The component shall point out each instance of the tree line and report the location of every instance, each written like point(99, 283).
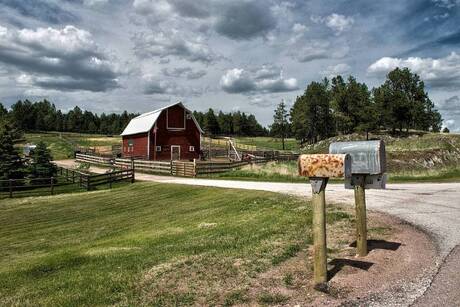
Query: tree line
point(232, 123)
point(339, 106)
point(44, 116)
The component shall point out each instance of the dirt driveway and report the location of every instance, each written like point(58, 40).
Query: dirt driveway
point(433, 207)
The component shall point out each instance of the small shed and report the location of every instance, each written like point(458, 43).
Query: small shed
point(168, 133)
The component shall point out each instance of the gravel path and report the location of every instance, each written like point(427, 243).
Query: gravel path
point(433, 207)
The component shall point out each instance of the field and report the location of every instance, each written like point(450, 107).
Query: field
point(268, 143)
point(62, 144)
point(154, 244)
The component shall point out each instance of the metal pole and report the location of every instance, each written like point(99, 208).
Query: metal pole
point(319, 232)
point(361, 221)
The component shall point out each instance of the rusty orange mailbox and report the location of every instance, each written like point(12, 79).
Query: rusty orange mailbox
point(319, 168)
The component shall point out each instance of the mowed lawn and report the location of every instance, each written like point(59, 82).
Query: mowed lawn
point(147, 244)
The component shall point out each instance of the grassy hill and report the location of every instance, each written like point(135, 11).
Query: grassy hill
point(154, 244)
point(418, 157)
point(62, 144)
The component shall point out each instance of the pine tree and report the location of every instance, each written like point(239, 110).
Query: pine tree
point(281, 127)
point(41, 165)
point(11, 164)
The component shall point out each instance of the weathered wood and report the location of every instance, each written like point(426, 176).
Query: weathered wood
point(319, 236)
point(361, 219)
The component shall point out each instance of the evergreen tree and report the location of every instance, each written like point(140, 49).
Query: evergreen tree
point(211, 125)
point(11, 164)
point(281, 127)
point(41, 165)
point(311, 114)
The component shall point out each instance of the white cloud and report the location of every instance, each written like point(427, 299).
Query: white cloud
point(173, 43)
point(239, 80)
point(336, 22)
point(440, 73)
point(334, 70)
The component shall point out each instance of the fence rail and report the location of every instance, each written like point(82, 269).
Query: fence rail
point(185, 168)
point(65, 177)
point(93, 159)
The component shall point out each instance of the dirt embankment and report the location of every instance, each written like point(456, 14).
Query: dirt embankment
point(397, 270)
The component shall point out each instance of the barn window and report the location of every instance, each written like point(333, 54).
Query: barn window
point(158, 148)
point(191, 148)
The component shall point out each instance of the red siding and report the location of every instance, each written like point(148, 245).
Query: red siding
point(190, 136)
point(139, 148)
point(184, 138)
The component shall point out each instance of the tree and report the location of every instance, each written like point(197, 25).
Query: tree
point(211, 125)
point(311, 114)
point(11, 164)
point(445, 130)
point(403, 103)
point(281, 126)
point(41, 165)
point(3, 112)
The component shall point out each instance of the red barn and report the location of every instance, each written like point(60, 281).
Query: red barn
point(169, 133)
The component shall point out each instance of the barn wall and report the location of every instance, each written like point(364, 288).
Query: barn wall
point(184, 138)
point(140, 142)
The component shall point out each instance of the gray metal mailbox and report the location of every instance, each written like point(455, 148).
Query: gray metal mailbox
point(368, 158)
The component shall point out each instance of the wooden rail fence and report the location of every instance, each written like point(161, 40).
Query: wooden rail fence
point(174, 168)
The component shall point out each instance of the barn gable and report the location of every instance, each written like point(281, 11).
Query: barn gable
point(145, 122)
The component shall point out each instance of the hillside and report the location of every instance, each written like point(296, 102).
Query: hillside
point(434, 155)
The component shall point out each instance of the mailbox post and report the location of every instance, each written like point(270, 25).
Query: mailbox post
point(367, 168)
point(319, 168)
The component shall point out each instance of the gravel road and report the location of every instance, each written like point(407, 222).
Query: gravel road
point(433, 207)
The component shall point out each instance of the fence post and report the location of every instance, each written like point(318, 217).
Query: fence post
point(171, 167)
point(110, 180)
point(52, 185)
point(361, 223)
point(88, 182)
point(132, 176)
point(194, 167)
point(11, 187)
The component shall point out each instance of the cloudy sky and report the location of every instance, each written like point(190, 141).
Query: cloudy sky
point(112, 55)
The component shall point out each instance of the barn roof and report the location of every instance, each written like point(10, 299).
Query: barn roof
point(144, 122)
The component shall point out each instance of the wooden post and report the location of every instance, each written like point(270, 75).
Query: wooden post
point(132, 176)
point(319, 232)
point(52, 185)
point(361, 221)
point(110, 180)
point(11, 187)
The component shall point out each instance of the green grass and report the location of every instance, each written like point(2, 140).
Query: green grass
point(62, 144)
point(268, 143)
point(146, 244)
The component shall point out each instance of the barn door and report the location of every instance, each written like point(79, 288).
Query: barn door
point(175, 152)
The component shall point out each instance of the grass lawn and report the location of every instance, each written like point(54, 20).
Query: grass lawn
point(150, 244)
point(268, 143)
point(62, 144)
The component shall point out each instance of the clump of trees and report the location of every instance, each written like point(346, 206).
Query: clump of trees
point(339, 106)
point(43, 116)
point(234, 123)
point(13, 166)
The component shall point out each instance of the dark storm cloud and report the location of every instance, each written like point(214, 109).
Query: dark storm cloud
point(63, 59)
point(45, 11)
point(245, 20)
point(195, 9)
